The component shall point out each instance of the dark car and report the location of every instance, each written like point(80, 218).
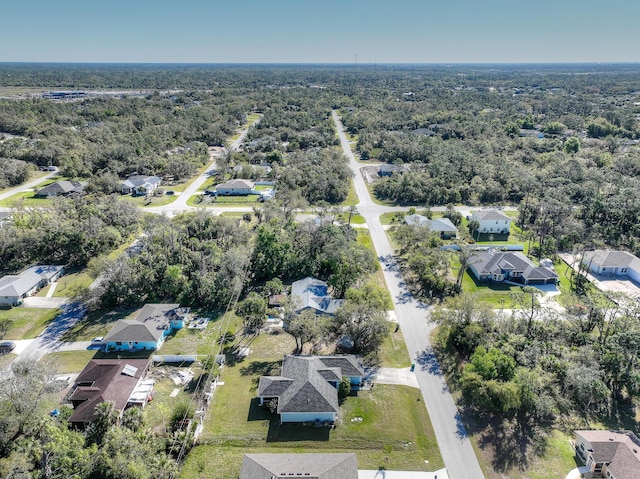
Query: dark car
point(7, 346)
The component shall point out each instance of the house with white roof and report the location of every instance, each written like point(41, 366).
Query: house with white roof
point(442, 226)
point(235, 188)
point(311, 293)
point(15, 287)
point(492, 221)
point(140, 185)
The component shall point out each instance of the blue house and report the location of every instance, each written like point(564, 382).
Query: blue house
point(147, 331)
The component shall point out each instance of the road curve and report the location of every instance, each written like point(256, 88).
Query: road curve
point(455, 447)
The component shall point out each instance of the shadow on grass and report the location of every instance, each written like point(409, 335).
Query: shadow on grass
point(259, 413)
point(489, 284)
point(95, 318)
point(623, 416)
point(293, 432)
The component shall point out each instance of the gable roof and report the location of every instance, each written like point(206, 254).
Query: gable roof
point(481, 215)
point(612, 259)
point(20, 284)
point(439, 225)
point(303, 385)
point(620, 449)
point(235, 184)
point(60, 188)
point(314, 294)
point(495, 262)
point(307, 465)
point(149, 324)
point(103, 380)
point(136, 181)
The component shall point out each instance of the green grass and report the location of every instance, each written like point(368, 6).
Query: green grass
point(393, 353)
point(391, 217)
point(495, 294)
point(143, 201)
point(29, 198)
point(352, 197)
point(27, 322)
point(35, 174)
point(364, 238)
point(224, 200)
point(72, 284)
point(96, 323)
point(70, 361)
point(392, 417)
point(158, 412)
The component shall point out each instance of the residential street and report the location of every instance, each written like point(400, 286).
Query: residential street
point(455, 447)
point(27, 185)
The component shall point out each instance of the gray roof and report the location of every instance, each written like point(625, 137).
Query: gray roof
point(135, 181)
point(149, 324)
point(612, 259)
point(313, 294)
point(495, 262)
point(490, 215)
point(60, 188)
point(235, 184)
point(307, 465)
point(20, 284)
point(303, 385)
point(439, 225)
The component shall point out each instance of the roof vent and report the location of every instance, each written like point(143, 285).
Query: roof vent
point(610, 439)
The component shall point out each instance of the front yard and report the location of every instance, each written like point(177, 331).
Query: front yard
point(27, 323)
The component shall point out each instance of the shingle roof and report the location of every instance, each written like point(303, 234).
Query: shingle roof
point(149, 324)
point(19, 284)
point(136, 181)
point(490, 215)
point(620, 449)
point(303, 385)
point(60, 188)
point(310, 466)
point(236, 184)
point(494, 262)
point(313, 293)
point(102, 380)
point(612, 259)
point(438, 225)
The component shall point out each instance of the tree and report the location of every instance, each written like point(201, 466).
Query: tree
point(363, 323)
point(304, 326)
point(252, 311)
point(344, 388)
point(105, 416)
point(572, 145)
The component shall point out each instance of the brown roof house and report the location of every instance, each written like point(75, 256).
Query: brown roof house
point(307, 390)
point(309, 466)
point(117, 380)
point(148, 330)
point(609, 454)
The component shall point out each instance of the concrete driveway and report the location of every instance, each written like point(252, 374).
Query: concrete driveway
point(44, 303)
point(398, 376)
point(384, 474)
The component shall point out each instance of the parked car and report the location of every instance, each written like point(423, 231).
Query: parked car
point(97, 340)
point(7, 346)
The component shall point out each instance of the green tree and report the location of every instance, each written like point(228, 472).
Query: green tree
point(253, 311)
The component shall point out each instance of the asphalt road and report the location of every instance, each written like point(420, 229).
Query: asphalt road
point(27, 185)
point(455, 447)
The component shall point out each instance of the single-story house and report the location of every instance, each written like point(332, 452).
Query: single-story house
point(311, 293)
point(614, 263)
point(390, 170)
point(60, 188)
point(14, 287)
point(235, 188)
point(117, 380)
point(147, 331)
point(492, 221)
point(443, 226)
point(307, 465)
point(307, 390)
point(609, 454)
point(140, 185)
point(500, 266)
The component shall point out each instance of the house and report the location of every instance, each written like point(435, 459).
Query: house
point(500, 266)
point(60, 188)
point(14, 287)
point(443, 226)
point(307, 465)
point(609, 454)
point(614, 263)
point(140, 185)
point(311, 293)
point(390, 170)
point(118, 380)
point(235, 188)
point(147, 331)
point(492, 221)
point(307, 390)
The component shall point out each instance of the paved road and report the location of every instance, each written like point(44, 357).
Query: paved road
point(455, 447)
point(26, 186)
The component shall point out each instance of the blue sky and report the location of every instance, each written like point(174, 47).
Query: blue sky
point(320, 31)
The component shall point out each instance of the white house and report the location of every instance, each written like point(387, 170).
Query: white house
point(492, 221)
point(140, 185)
point(442, 226)
point(14, 287)
point(614, 263)
point(235, 188)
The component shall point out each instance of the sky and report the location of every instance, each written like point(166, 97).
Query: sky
point(319, 31)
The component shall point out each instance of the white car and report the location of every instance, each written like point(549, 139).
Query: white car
point(97, 340)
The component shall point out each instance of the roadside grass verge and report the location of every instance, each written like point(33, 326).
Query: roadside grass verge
point(27, 323)
point(394, 353)
point(72, 284)
point(70, 361)
point(352, 198)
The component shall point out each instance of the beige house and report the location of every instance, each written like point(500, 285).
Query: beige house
point(609, 454)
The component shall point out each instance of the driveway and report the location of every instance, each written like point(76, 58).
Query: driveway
point(577, 473)
point(398, 376)
point(44, 303)
point(384, 474)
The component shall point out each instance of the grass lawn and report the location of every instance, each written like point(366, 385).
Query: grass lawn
point(96, 323)
point(29, 198)
point(142, 201)
point(70, 361)
point(71, 284)
point(352, 197)
point(364, 238)
point(496, 294)
point(393, 353)
point(33, 176)
point(394, 422)
point(27, 322)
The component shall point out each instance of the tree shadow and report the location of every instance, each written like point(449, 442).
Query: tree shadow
point(257, 412)
point(294, 432)
point(428, 361)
